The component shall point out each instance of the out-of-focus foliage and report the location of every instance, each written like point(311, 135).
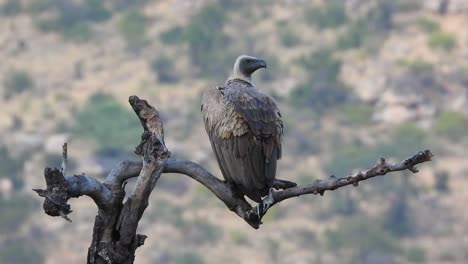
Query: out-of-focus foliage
point(163, 67)
point(442, 40)
point(11, 7)
point(16, 210)
point(416, 255)
point(132, 26)
point(323, 89)
point(332, 14)
point(174, 35)
point(73, 19)
point(16, 82)
point(206, 40)
point(96, 121)
point(19, 253)
point(188, 258)
point(362, 235)
point(288, 38)
point(428, 25)
point(10, 167)
point(356, 113)
point(452, 125)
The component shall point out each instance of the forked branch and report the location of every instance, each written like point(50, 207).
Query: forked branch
point(114, 235)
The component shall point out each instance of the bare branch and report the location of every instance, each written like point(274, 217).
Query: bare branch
point(64, 159)
point(320, 186)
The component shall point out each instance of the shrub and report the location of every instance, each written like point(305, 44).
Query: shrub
point(202, 231)
point(104, 120)
point(163, 67)
point(15, 253)
point(442, 181)
point(174, 35)
point(356, 114)
point(428, 25)
point(206, 40)
point(239, 237)
point(417, 66)
point(416, 255)
point(398, 220)
point(74, 19)
point(353, 36)
point(362, 234)
point(188, 258)
point(343, 204)
point(11, 7)
point(18, 208)
point(16, 82)
point(372, 26)
point(288, 38)
point(331, 15)
point(10, 167)
point(452, 125)
point(442, 40)
point(79, 32)
point(133, 26)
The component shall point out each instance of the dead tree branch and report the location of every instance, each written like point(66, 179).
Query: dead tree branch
point(114, 234)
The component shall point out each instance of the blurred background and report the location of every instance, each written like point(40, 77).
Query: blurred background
point(355, 80)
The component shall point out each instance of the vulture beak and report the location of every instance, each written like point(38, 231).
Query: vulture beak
point(261, 64)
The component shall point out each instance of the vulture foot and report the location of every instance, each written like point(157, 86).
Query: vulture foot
point(283, 184)
point(265, 204)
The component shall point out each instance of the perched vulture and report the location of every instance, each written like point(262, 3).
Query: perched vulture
point(245, 129)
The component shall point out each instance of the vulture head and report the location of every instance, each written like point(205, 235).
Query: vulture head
point(245, 66)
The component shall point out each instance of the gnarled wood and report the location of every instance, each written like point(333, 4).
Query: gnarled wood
point(114, 234)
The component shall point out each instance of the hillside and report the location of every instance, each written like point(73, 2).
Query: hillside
point(355, 80)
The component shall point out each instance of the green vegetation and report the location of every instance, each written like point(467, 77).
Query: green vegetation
point(331, 15)
point(371, 28)
point(442, 181)
point(132, 26)
point(398, 219)
point(361, 235)
point(343, 204)
point(201, 231)
point(16, 210)
point(288, 38)
point(354, 35)
point(416, 255)
point(442, 40)
point(356, 114)
point(163, 67)
point(10, 167)
point(174, 35)
point(322, 89)
point(16, 82)
point(15, 253)
point(239, 237)
point(96, 121)
point(428, 25)
point(74, 20)
point(188, 258)
point(452, 125)
point(11, 7)
point(207, 42)
point(417, 66)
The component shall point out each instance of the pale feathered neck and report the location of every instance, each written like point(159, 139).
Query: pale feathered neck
point(241, 76)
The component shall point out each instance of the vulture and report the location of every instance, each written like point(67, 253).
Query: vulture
point(245, 130)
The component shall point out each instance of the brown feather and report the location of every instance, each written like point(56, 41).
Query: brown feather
point(245, 129)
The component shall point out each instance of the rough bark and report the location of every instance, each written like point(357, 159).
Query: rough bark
point(114, 234)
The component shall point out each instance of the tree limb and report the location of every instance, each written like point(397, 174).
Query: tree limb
point(114, 234)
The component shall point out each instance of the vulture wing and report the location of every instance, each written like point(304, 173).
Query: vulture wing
point(245, 129)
